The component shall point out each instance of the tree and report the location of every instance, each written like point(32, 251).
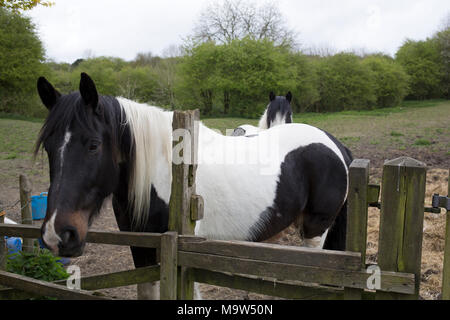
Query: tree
point(391, 80)
point(235, 78)
point(23, 4)
point(345, 84)
point(305, 89)
point(104, 70)
point(423, 62)
point(443, 42)
point(196, 72)
point(21, 58)
point(235, 19)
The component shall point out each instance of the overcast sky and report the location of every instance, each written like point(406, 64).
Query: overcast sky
point(71, 29)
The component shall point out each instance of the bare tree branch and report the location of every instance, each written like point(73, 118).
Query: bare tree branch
point(228, 20)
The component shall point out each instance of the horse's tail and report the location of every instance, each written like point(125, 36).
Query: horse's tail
point(336, 236)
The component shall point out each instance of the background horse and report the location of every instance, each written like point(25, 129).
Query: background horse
point(99, 145)
point(278, 112)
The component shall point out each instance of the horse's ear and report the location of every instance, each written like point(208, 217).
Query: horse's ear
point(48, 94)
point(272, 96)
point(88, 91)
point(289, 97)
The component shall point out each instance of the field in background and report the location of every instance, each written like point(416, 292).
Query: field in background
point(416, 129)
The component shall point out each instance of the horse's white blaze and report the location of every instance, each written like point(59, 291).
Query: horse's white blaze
point(50, 236)
point(66, 140)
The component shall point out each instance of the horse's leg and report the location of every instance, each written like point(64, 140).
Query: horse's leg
point(322, 219)
point(142, 257)
point(316, 242)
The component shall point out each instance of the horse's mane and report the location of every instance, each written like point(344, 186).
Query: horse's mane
point(151, 131)
point(277, 110)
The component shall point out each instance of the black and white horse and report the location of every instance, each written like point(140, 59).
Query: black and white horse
point(278, 112)
point(253, 188)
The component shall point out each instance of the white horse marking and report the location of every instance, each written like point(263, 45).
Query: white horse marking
point(51, 238)
point(66, 140)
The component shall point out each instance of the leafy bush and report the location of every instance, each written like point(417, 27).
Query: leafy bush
point(391, 81)
point(345, 83)
point(40, 264)
point(422, 61)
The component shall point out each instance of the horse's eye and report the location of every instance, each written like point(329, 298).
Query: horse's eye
point(93, 146)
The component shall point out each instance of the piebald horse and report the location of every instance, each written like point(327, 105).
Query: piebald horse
point(99, 146)
point(278, 112)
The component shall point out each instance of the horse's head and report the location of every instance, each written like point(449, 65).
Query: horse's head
point(279, 110)
point(81, 147)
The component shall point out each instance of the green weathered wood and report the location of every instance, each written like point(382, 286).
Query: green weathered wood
point(132, 239)
point(183, 175)
point(401, 221)
point(169, 266)
point(97, 282)
point(136, 239)
point(446, 269)
point(272, 252)
point(20, 230)
point(357, 200)
point(392, 282)
point(25, 204)
point(373, 193)
point(119, 279)
point(183, 188)
point(3, 251)
point(43, 288)
point(197, 207)
point(268, 287)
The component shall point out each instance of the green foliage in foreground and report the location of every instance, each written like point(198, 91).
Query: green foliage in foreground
point(40, 264)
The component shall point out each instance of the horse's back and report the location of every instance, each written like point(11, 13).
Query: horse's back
point(271, 184)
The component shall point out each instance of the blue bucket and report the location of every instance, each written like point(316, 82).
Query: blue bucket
point(39, 206)
point(13, 244)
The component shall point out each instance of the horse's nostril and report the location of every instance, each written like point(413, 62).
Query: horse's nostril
point(69, 237)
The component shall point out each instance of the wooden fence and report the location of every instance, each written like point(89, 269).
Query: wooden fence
point(276, 270)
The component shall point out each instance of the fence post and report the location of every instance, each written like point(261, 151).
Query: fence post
point(357, 216)
point(401, 221)
point(446, 269)
point(169, 263)
point(185, 135)
point(3, 251)
point(25, 204)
